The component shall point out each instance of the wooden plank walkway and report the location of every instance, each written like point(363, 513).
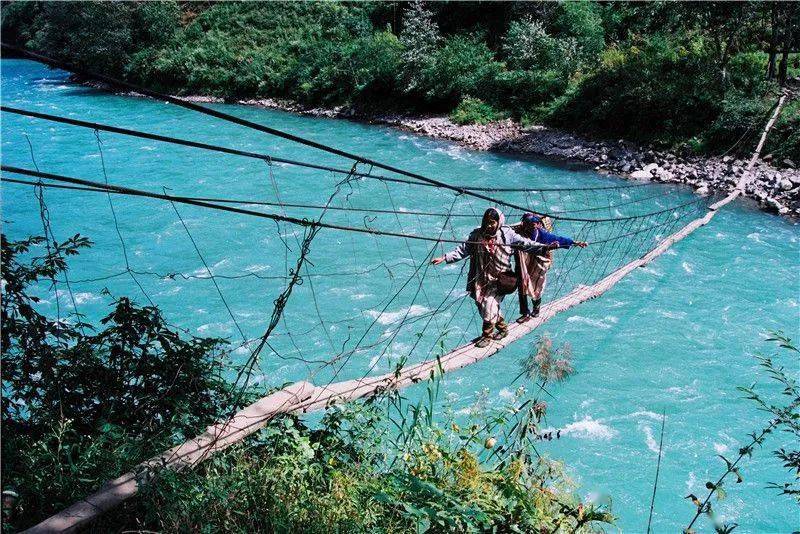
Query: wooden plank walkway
point(304, 397)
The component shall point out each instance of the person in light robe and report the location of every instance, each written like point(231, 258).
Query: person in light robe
point(490, 278)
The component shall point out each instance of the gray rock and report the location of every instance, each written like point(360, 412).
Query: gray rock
point(786, 184)
point(777, 206)
point(641, 175)
point(651, 168)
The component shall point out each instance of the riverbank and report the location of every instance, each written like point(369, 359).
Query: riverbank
point(775, 188)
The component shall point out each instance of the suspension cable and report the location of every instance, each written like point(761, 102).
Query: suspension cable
point(97, 186)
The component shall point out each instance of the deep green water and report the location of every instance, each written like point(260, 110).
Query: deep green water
point(677, 336)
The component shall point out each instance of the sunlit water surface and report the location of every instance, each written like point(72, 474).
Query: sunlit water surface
point(677, 336)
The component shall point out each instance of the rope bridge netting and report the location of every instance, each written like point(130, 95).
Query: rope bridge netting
point(343, 296)
point(338, 244)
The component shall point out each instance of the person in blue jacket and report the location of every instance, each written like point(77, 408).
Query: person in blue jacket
point(531, 267)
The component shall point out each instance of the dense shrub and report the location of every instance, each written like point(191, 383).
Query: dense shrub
point(104, 36)
point(334, 73)
point(474, 111)
point(539, 66)
point(738, 126)
point(581, 23)
point(81, 406)
point(528, 47)
point(744, 111)
point(257, 49)
point(784, 139)
point(463, 66)
point(352, 474)
point(657, 90)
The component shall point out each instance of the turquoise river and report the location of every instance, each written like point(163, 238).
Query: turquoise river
point(676, 337)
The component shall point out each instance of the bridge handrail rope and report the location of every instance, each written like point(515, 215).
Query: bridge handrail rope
point(275, 159)
point(94, 186)
point(245, 202)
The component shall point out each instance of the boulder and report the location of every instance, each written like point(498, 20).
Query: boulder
point(777, 206)
point(641, 175)
point(651, 168)
point(786, 184)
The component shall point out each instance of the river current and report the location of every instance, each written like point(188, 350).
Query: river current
point(676, 337)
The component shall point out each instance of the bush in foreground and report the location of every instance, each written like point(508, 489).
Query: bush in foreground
point(352, 474)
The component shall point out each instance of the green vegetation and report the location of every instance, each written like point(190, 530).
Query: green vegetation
point(690, 74)
point(81, 406)
point(352, 475)
point(474, 111)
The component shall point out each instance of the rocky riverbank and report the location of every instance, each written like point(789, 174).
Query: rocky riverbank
point(775, 186)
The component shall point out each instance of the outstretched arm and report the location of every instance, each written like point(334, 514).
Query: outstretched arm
point(526, 245)
point(459, 253)
point(561, 242)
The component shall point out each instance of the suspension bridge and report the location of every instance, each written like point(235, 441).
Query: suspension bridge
point(626, 225)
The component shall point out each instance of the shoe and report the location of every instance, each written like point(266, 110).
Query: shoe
point(500, 334)
point(524, 318)
point(483, 342)
point(536, 305)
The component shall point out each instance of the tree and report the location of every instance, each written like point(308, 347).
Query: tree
point(420, 39)
point(581, 22)
point(136, 372)
point(104, 35)
point(528, 47)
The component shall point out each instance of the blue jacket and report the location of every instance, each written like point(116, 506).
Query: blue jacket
point(541, 235)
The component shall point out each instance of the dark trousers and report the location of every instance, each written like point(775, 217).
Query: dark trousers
point(523, 298)
point(523, 304)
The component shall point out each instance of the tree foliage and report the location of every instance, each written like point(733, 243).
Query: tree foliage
point(82, 405)
point(665, 72)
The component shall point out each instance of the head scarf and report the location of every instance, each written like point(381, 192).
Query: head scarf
point(492, 214)
point(531, 218)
